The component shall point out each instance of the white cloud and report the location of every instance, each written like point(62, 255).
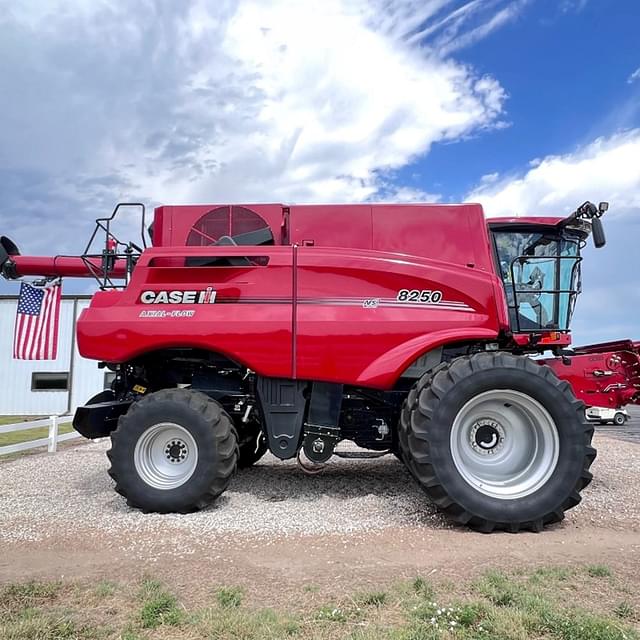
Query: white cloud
point(248, 100)
point(634, 76)
point(482, 30)
point(468, 24)
point(606, 169)
point(489, 178)
point(394, 193)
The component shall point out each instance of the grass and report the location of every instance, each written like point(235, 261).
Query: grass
point(332, 613)
point(373, 599)
point(599, 571)
point(105, 588)
point(16, 419)
point(159, 607)
point(28, 594)
point(30, 434)
point(551, 603)
point(234, 623)
point(422, 587)
point(39, 627)
point(624, 610)
point(544, 574)
point(229, 597)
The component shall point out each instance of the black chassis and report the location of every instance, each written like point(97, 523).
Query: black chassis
point(291, 413)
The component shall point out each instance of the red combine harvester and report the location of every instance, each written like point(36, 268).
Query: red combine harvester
point(407, 329)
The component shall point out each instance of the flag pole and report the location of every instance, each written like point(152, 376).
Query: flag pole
point(72, 355)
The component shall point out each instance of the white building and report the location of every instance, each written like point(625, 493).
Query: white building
point(46, 387)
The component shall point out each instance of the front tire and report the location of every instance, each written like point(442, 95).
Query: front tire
point(173, 451)
point(619, 419)
point(498, 442)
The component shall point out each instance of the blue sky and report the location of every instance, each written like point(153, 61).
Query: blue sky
point(565, 66)
point(527, 106)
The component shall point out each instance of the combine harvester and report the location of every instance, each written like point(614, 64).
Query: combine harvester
point(407, 329)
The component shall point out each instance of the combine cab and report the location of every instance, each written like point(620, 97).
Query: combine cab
point(407, 329)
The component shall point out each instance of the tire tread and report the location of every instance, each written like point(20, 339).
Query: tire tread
point(224, 434)
point(420, 406)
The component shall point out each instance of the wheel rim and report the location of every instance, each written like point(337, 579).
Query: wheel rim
point(165, 456)
point(504, 444)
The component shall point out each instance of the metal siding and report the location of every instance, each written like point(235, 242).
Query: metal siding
point(16, 397)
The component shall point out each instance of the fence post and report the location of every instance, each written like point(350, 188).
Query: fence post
point(53, 434)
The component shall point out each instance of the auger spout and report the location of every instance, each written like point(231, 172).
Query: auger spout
point(13, 265)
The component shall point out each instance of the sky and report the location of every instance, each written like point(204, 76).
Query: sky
point(526, 106)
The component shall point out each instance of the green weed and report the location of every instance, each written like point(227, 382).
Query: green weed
point(229, 597)
point(599, 571)
point(159, 606)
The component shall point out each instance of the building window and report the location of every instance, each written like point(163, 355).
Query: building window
point(48, 381)
point(109, 377)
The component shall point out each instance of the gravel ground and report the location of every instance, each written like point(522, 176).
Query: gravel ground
point(273, 498)
point(46, 496)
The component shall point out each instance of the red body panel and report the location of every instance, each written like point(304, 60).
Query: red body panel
point(341, 226)
point(455, 233)
point(602, 375)
point(350, 327)
point(251, 320)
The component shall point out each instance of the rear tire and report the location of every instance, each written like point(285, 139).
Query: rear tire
point(619, 419)
point(173, 451)
point(497, 442)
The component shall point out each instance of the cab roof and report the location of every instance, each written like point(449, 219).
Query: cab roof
point(548, 221)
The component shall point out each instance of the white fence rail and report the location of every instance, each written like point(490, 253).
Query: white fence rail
point(51, 442)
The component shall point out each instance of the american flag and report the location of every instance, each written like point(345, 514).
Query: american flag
point(36, 332)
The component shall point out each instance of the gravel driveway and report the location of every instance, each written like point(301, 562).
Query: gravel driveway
point(43, 495)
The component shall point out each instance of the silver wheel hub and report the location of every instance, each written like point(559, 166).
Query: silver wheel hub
point(165, 456)
point(176, 451)
point(487, 437)
point(504, 444)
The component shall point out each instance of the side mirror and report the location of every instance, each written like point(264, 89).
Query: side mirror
point(603, 207)
point(599, 239)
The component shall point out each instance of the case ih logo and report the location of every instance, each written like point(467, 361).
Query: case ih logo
point(204, 296)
